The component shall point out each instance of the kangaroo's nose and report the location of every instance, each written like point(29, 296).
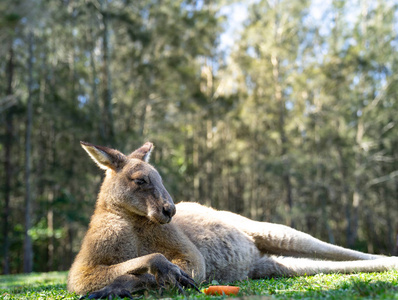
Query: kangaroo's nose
point(169, 210)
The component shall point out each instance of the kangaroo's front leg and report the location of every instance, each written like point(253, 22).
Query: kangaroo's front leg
point(112, 280)
point(123, 286)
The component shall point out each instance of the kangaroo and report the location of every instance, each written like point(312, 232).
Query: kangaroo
point(138, 239)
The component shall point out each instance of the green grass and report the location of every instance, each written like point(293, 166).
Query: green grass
point(358, 286)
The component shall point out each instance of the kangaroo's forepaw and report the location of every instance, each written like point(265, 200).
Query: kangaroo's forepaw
point(172, 275)
point(109, 293)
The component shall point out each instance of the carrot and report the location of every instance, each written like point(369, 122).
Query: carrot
point(221, 289)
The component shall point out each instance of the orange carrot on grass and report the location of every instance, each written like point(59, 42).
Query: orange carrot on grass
point(221, 289)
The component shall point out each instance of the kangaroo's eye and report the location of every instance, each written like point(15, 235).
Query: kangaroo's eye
point(139, 181)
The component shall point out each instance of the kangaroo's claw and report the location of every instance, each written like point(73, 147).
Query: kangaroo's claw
point(188, 282)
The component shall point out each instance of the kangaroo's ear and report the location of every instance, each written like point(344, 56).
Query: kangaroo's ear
point(143, 153)
point(106, 158)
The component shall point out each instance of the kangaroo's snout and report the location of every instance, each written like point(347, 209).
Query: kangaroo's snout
point(169, 210)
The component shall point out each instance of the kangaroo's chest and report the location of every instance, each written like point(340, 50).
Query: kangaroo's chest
point(155, 239)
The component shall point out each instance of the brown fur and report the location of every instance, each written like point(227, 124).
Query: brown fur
point(131, 243)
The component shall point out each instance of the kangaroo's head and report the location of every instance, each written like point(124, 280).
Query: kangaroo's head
point(131, 183)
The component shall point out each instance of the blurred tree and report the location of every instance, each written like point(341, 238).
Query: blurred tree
point(28, 250)
point(10, 19)
point(272, 44)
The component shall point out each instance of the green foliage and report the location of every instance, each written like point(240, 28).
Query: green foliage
point(358, 286)
point(295, 124)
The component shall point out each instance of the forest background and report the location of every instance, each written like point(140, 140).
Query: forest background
point(291, 118)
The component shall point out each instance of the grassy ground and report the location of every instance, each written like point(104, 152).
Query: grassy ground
point(358, 286)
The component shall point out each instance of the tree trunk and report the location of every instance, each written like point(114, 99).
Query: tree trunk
point(146, 108)
point(107, 81)
point(97, 108)
point(395, 252)
point(50, 228)
point(28, 249)
point(7, 161)
point(278, 96)
point(195, 163)
point(344, 192)
point(357, 197)
point(209, 166)
point(284, 150)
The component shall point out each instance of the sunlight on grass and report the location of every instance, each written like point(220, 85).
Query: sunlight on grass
point(9, 281)
point(334, 286)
